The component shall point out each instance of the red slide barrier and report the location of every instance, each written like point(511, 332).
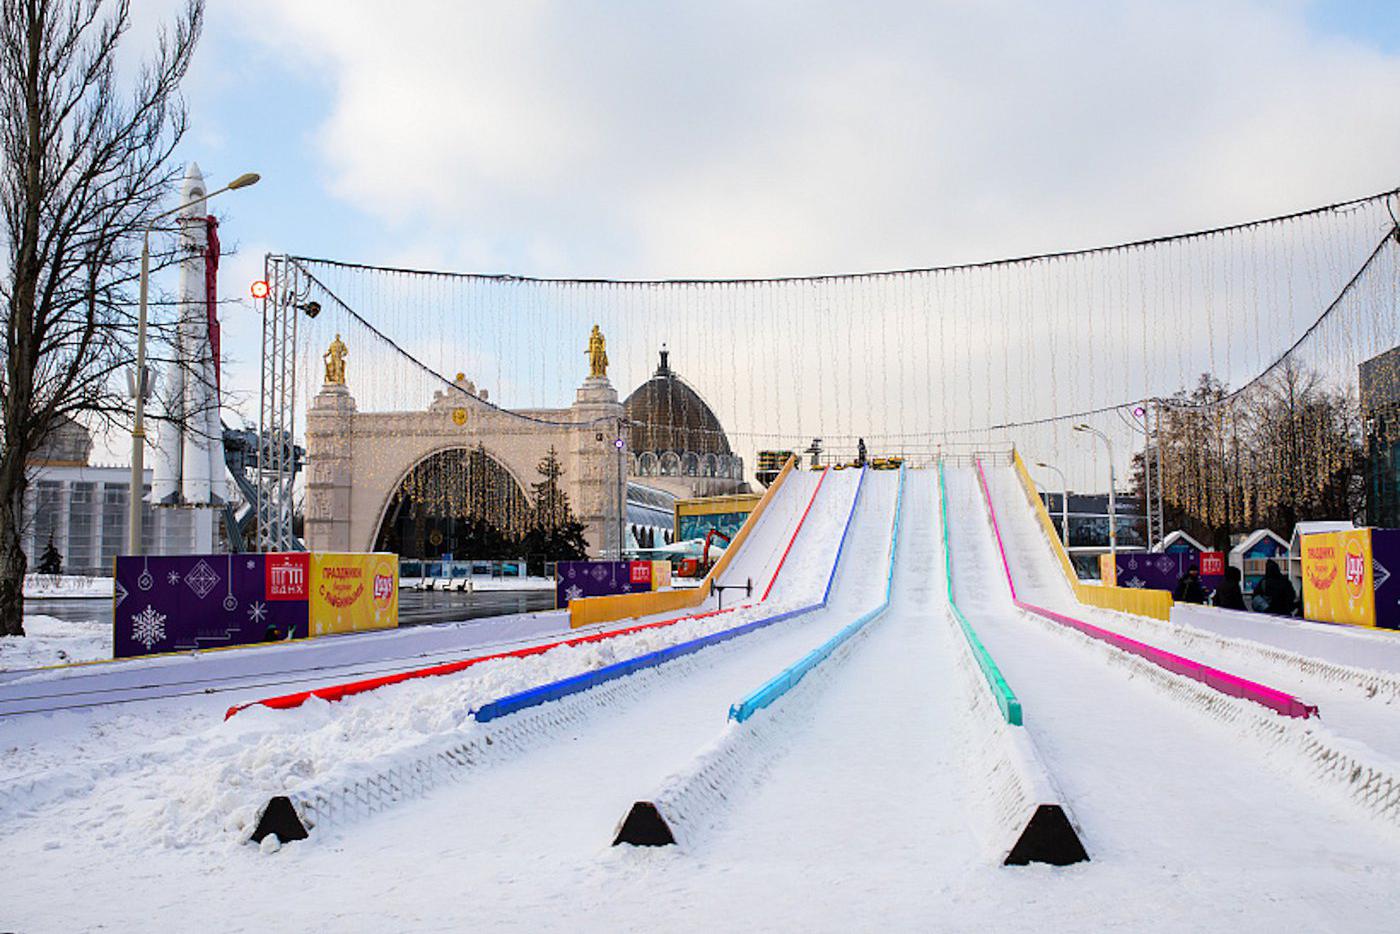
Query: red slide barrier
point(1222, 681)
point(337, 692)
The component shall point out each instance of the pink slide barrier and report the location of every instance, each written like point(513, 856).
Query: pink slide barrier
point(1222, 681)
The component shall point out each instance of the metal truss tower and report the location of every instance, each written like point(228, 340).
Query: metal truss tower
point(277, 461)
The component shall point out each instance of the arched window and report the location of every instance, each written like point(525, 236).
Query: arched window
point(723, 466)
point(690, 464)
point(710, 467)
point(670, 464)
point(646, 465)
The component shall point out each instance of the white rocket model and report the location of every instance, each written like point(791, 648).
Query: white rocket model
point(189, 463)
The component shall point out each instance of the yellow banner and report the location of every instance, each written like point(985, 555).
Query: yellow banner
point(660, 575)
point(353, 592)
point(1337, 585)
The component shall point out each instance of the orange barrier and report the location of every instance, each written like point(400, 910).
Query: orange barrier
point(1142, 602)
point(587, 611)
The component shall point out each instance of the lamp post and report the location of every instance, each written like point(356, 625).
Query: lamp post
point(138, 425)
point(1112, 482)
point(1064, 502)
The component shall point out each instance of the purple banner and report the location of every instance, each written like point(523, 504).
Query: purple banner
point(177, 603)
point(575, 579)
point(1157, 571)
point(1385, 576)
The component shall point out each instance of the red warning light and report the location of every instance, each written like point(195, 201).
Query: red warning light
point(260, 289)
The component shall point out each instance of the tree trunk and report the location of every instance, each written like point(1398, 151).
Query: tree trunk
point(13, 563)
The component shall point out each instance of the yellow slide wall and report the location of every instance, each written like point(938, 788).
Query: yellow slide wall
point(1154, 603)
point(590, 610)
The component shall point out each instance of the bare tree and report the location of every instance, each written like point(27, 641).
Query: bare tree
point(85, 165)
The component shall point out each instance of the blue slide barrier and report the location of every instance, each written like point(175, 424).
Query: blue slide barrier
point(556, 690)
point(788, 678)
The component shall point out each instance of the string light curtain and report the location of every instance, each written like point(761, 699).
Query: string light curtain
point(1198, 333)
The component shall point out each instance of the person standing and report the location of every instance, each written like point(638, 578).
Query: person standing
point(1276, 590)
point(1229, 596)
point(1188, 587)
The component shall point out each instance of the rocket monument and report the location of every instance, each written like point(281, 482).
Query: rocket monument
point(189, 470)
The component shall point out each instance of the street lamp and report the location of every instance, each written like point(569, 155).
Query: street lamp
point(1064, 502)
point(1112, 482)
point(138, 427)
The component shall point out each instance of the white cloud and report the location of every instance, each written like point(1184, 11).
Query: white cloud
point(746, 138)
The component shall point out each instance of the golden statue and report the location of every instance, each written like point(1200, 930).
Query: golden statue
point(335, 362)
point(597, 354)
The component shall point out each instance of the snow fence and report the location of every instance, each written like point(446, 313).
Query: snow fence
point(1027, 814)
point(1222, 681)
point(388, 780)
point(688, 800)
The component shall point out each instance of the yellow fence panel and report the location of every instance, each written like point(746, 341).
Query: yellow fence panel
point(353, 592)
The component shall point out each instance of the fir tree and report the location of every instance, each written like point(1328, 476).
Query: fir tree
point(554, 533)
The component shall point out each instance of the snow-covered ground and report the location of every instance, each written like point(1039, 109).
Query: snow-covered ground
point(129, 817)
point(50, 641)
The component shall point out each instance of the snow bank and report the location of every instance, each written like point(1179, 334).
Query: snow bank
point(50, 586)
point(48, 641)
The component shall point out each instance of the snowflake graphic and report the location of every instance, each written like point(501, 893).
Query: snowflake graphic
point(173, 577)
point(251, 564)
point(573, 593)
point(148, 627)
point(257, 612)
point(202, 579)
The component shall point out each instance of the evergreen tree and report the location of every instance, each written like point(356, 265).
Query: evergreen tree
point(51, 562)
point(554, 534)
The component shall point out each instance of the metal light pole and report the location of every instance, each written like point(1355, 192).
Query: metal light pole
point(1112, 482)
point(1064, 502)
point(138, 425)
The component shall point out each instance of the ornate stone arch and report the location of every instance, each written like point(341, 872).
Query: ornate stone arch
point(498, 465)
point(670, 464)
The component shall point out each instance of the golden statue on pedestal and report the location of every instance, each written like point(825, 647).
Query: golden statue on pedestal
point(597, 354)
point(335, 362)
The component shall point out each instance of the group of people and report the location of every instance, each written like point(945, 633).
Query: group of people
point(1273, 594)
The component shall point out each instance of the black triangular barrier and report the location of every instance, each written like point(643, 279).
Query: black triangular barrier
point(1049, 837)
point(280, 819)
point(644, 826)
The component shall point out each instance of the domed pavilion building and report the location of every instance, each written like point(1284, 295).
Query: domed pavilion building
point(677, 443)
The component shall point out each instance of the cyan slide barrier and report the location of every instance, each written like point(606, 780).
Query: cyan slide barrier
point(788, 678)
point(1279, 701)
point(556, 690)
point(1005, 697)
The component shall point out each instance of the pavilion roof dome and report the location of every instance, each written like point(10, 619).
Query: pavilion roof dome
point(667, 414)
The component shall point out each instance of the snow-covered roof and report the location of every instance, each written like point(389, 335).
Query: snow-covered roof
point(1313, 528)
point(1253, 538)
point(1180, 536)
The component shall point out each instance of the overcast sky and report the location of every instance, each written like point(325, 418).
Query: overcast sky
point(647, 139)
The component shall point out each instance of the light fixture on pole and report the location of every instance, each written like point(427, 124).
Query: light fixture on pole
point(140, 382)
point(1112, 483)
point(1064, 502)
